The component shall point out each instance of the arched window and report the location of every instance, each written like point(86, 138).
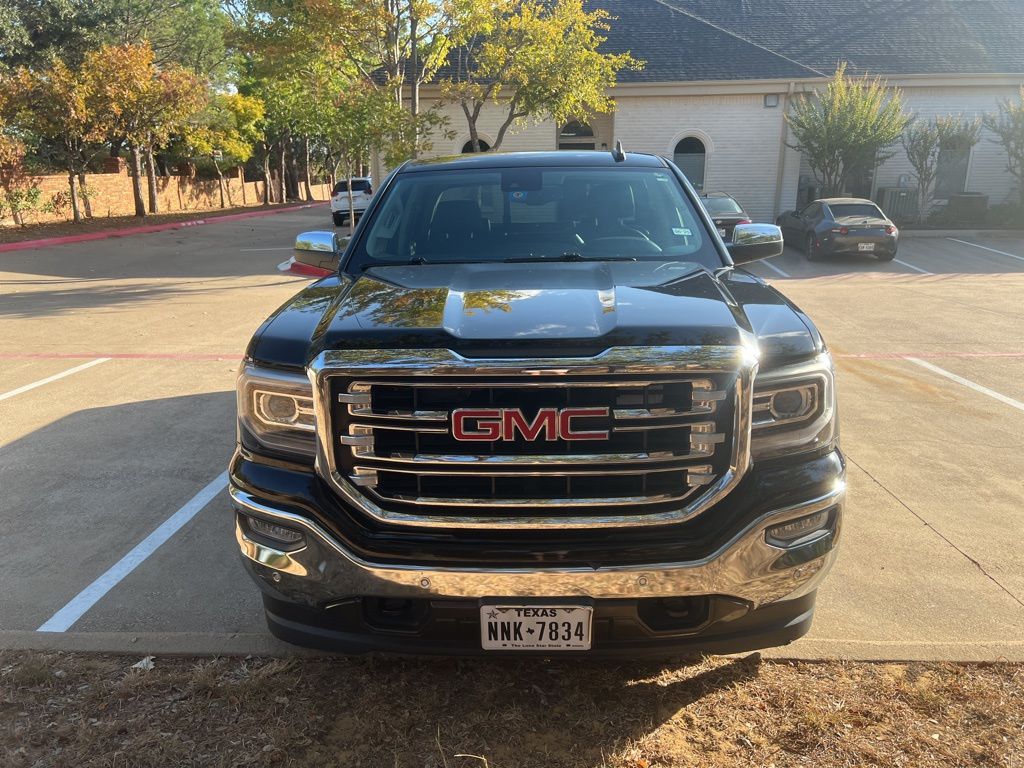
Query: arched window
point(467, 148)
point(576, 135)
point(689, 156)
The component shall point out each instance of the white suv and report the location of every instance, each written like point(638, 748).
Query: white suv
point(362, 191)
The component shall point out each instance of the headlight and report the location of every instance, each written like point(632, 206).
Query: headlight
point(277, 409)
point(794, 408)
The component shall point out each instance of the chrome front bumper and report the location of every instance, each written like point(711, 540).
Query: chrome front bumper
point(747, 567)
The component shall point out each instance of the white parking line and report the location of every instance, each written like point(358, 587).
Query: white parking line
point(63, 619)
point(911, 266)
point(968, 383)
point(55, 377)
point(775, 269)
point(986, 248)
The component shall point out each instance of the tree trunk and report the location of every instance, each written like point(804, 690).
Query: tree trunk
point(293, 173)
point(307, 180)
point(414, 85)
point(136, 160)
point(351, 202)
point(220, 182)
point(151, 180)
point(84, 192)
point(282, 183)
point(266, 173)
point(73, 185)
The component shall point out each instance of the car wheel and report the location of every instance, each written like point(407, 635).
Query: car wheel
point(339, 220)
point(887, 256)
point(810, 250)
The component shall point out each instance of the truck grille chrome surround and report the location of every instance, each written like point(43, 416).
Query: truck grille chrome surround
point(675, 435)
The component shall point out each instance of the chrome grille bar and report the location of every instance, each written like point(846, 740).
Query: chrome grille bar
point(673, 479)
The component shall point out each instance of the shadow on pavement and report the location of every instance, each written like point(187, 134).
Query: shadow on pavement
point(75, 295)
point(77, 493)
point(236, 248)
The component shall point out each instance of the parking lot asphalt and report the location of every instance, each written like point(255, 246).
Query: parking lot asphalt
point(117, 368)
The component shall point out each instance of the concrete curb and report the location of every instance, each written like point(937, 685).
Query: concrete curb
point(253, 644)
point(147, 229)
point(926, 233)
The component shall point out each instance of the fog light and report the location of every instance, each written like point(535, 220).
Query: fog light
point(273, 531)
point(787, 533)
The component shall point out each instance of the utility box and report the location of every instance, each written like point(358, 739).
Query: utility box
point(898, 203)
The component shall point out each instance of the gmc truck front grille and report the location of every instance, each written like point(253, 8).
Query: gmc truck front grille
point(551, 448)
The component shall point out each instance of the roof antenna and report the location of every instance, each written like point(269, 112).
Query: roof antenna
point(618, 153)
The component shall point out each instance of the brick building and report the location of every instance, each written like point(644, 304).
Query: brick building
point(720, 74)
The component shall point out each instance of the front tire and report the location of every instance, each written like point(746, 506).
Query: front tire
point(810, 249)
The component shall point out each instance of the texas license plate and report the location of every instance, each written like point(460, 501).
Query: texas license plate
point(865, 246)
point(535, 627)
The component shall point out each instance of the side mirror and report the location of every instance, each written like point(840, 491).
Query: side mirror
point(318, 249)
point(751, 242)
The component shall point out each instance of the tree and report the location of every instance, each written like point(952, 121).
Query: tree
point(391, 42)
point(1007, 123)
point(56, 104)
point(228, 127)
point(849, 125)
point(924, 141)
point(366, 120)
point(142, 105)
point(535, 59)
point(17, 190)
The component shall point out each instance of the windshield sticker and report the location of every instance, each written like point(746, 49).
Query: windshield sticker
point(681, 231)
point(518, 195)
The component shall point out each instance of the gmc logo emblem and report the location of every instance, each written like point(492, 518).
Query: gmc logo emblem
point(490, 424)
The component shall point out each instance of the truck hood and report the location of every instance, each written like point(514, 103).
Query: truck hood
point(535, 309)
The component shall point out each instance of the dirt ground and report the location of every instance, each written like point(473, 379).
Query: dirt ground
point(87, 710)
point(14, 234)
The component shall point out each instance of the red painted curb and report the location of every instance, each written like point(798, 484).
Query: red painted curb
point(146, 229)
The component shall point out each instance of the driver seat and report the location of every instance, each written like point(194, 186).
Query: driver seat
point(609, 206)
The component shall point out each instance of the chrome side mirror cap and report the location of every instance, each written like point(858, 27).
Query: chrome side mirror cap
point(318, 249)
point(751, 242)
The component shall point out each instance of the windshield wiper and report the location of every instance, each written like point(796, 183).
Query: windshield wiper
point(416, 262)
point(567, 256)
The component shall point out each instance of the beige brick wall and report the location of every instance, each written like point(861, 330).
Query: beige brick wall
point(742, 138)
point(111, 195)
point(740, 135)
point(987, 169)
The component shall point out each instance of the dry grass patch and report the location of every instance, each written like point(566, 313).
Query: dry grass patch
point(82, 710)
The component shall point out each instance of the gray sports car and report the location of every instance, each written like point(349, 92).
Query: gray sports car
point(840, 225)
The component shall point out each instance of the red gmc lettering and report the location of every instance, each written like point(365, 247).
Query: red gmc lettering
point(490, 424)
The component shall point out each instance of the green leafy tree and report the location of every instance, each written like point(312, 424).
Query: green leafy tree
point(142, 105)
point(923, 141)
point(226, 131)
point(56, 104)
point(34, 32)
point(1007, 123)
point(535, 59)
point(847, 126)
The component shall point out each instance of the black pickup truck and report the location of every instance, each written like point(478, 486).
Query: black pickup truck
point(537, 408)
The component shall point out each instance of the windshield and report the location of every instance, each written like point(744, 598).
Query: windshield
point(358, 185)
point(721, 205)
point(535, 214)
point(859, 210)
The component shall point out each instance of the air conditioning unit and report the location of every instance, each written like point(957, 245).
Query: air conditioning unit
point(898, 203)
